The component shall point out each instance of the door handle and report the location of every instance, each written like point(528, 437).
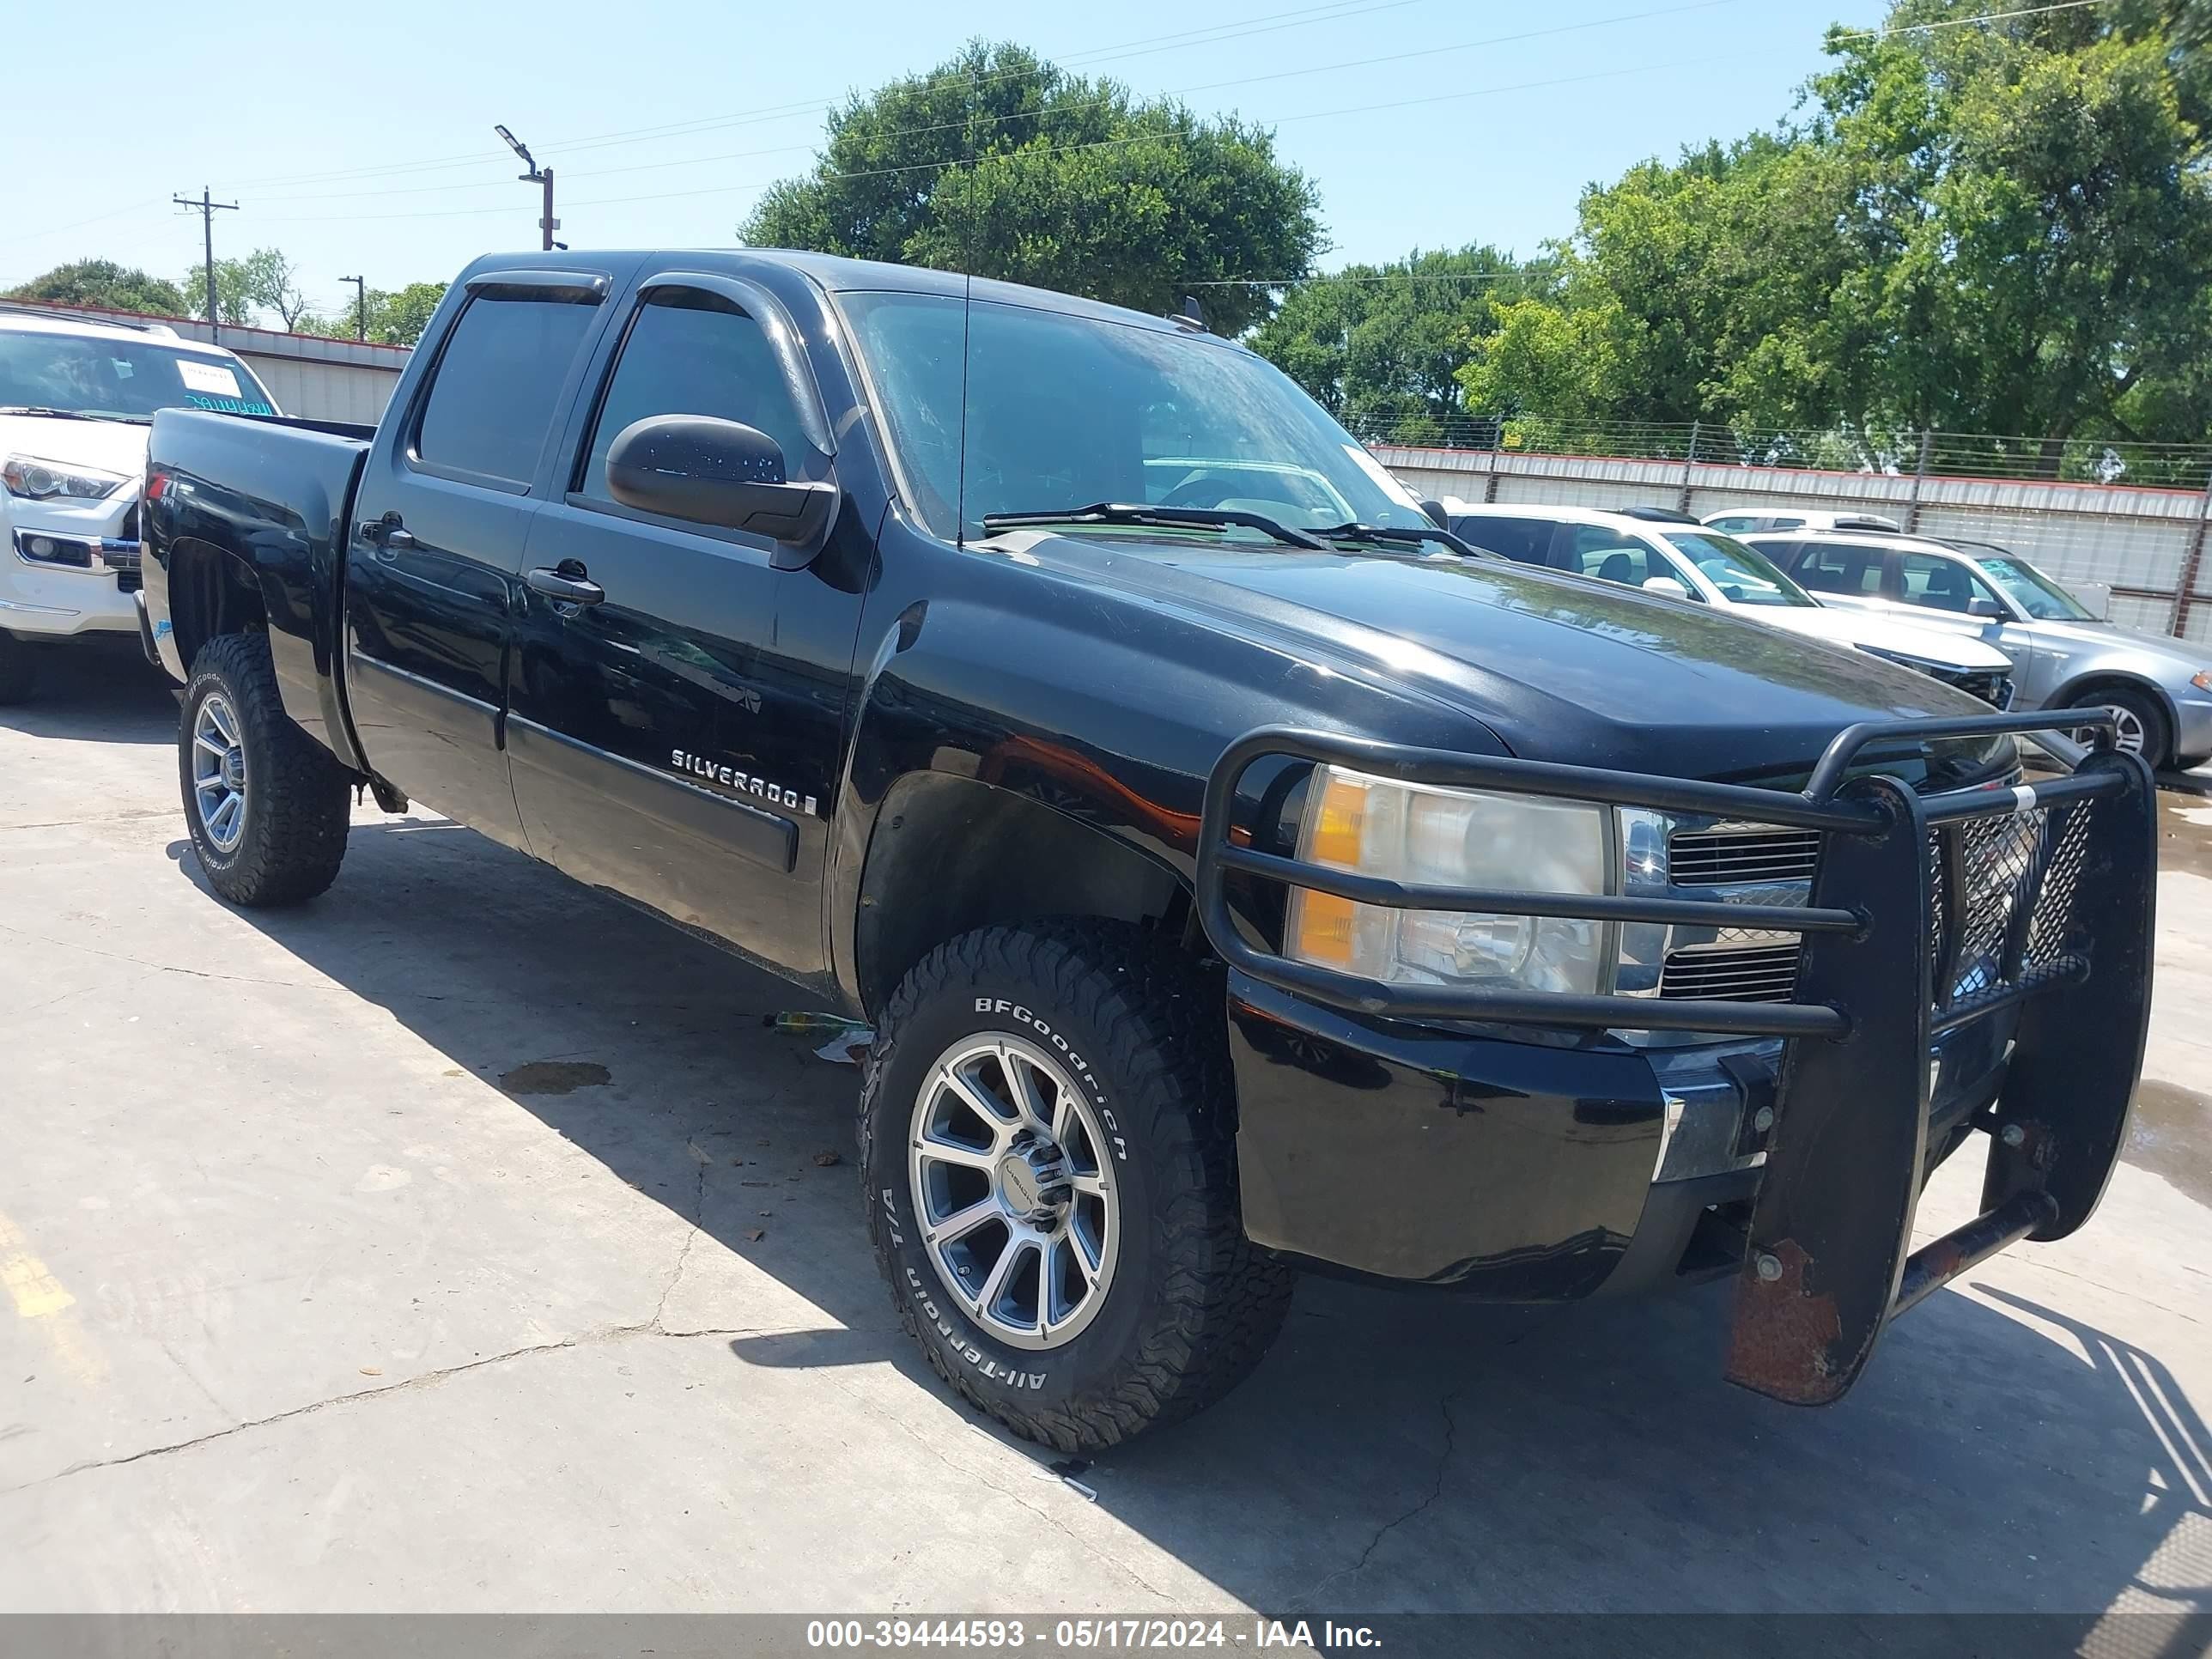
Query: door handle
point(385, 535)
point(567, 588)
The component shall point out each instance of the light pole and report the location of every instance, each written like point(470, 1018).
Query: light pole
point(536, 175)
point(360, 306)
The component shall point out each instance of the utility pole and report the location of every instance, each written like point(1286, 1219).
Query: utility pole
point(536, 175)
point(360, 307)
point(207, 208)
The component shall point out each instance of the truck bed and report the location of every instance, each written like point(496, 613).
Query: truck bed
point(277, 493)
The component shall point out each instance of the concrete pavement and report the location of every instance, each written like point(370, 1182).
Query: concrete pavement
point(462, 1242)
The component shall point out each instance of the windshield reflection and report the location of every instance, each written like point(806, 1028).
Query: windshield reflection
point(1063, 411)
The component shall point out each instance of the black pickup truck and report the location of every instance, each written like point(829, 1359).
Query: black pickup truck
point(1242, 874)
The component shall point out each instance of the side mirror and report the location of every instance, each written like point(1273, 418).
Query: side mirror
point(1671, 586)
point(718, 472)
point(1988, 608)
point(2096, 599)
point(1435, 509)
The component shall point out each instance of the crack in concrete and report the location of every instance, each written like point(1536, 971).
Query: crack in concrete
point(1006, 1492)
point(683, 1254)
point(424, 1379)
point(1436, 1489)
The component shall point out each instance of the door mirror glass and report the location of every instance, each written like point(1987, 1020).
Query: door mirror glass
point(708, 471)
point(1671, 586)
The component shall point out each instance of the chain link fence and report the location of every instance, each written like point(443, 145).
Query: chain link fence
point(2130, 517)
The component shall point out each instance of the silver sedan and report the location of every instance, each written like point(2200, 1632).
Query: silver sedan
point(2063, 655)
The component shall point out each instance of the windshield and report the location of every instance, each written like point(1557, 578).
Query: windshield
point(2033, 592)
point(121, 379)
point(1065, 410)
point(1742, 576)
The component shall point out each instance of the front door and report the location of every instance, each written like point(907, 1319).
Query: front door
point(1944, 592)
point(441, 522)
point(676, 700)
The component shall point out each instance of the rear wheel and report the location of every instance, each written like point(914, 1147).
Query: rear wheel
point(18, 673)
point(266, 804)
point(2140, 727)
point(1048, 1158)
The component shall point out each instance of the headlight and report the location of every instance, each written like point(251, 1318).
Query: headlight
point(1422, 836)
point(49, 481)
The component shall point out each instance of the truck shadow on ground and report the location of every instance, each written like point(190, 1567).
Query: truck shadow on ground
point(100, 690)
point(1397, 1451)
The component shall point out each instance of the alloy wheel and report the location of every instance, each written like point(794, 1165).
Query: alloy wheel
point(1016, 1202)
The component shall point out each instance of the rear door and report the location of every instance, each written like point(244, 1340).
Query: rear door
point(442, 517)
point(1836, 572)
point(677, 737)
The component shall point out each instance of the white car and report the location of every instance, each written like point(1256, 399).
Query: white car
point(1743, 521)
point(1671, 553)
point(76, 401)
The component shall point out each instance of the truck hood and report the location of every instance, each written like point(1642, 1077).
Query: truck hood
point(1862, 628)
point(1558, 668)
point(108, 445)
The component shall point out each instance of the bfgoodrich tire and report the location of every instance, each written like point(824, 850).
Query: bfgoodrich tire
point(266, 804)
point(1048, 1155)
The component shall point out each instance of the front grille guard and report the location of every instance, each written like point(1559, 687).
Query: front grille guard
point(1926, 914)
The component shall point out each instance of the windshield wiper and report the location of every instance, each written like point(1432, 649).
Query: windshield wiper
point(74, 414)
point(1181, 518)
point(1379, 535)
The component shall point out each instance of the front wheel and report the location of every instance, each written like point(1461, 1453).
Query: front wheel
point(2140, 724)
point(266, 804)
point(1048, 1153)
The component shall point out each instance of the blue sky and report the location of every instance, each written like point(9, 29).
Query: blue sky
point(359, 139)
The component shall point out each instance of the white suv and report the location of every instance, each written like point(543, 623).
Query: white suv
point(1671, 553)
point(75, 400)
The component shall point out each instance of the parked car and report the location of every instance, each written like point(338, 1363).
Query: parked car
point(76, 401)
point(1739, 521)
point(1667, 552)
point(2063, 655)
point(1231, 892)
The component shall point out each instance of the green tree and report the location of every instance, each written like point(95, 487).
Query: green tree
point(399, 318)
point(1380, 347)
point(103, 283)
point(998, 163)
point(2002, 226)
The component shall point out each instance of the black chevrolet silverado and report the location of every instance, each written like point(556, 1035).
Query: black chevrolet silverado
point(1242, 874)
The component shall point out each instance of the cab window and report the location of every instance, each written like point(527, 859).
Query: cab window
point(498, 385)
point(1937, 583)
point(689, 352)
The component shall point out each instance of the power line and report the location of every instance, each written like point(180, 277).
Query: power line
point(1035, 151)
point(1065, 109)
point(208, 207)
point(1265, 22)
point(1963, 22)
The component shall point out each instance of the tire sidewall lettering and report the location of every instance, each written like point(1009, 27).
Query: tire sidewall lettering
point(997, 1006)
